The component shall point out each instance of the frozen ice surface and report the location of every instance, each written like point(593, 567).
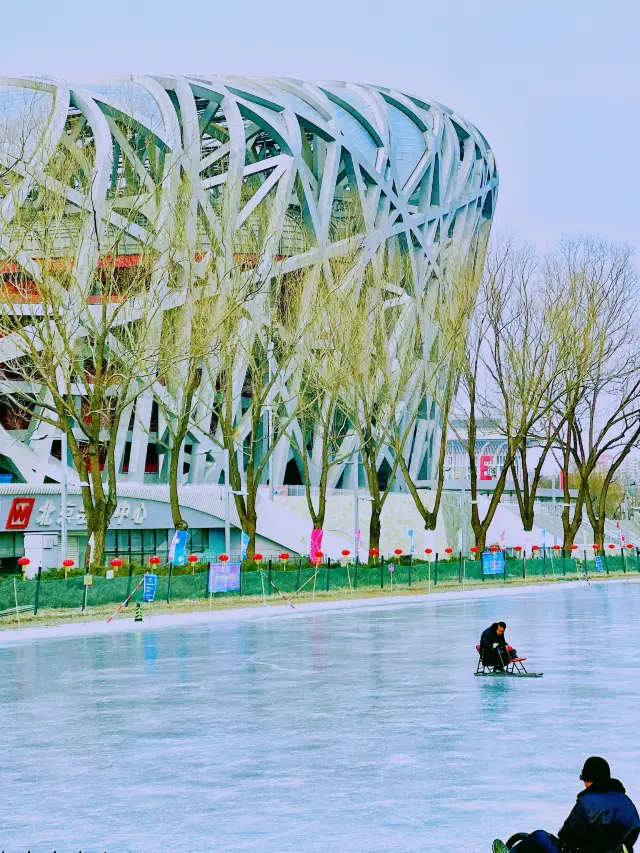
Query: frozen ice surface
point(358, 731)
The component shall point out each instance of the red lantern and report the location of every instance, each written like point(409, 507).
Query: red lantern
point(116, 563)
point(428, 551)
point(23, 561)
point(223, 558)
point(257, 558)
point(318, 555)
point(448, 550)
point(193, 558)
point(67, 563)
point(595, 547)
point(345, 552)
point(629, 545)
point(535, 547)
point(574, 547)
point(285, 556)
point(518, 548)
point(154, 560)
point(474, 549)
point(374, 552)
point(494, 548)
point(556, 547)
point(398, 552)
point(612, 547)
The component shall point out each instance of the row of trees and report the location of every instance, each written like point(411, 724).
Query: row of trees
point(552, 360)
point(241, 354)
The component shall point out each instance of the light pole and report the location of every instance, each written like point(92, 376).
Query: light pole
point(64, 451)
point(270, 421)
point(356, 498)
point(63, 496)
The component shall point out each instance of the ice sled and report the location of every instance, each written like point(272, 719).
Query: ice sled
point(514, 668)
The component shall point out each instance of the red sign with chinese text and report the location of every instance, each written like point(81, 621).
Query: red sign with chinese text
point(20, 513)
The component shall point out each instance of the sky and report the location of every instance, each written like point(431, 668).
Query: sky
point(554, 85)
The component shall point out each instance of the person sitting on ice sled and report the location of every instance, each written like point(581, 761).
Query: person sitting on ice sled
point(493, 647)
point(603, 820)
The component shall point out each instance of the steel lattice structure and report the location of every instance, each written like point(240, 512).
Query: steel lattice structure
point(425, 179)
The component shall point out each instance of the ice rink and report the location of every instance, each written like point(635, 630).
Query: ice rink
point(358, 731)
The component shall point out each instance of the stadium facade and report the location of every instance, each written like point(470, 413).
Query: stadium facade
point(424, 178)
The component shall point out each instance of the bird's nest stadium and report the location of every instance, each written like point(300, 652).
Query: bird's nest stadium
point(294, 153)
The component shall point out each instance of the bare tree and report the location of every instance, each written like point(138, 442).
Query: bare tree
point(510, 369)
point(601, 410)
point(436, 368)
point(78, 325)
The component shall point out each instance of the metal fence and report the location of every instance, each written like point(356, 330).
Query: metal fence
point(20, 596)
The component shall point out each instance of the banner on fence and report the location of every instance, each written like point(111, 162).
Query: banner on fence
point(316, 543)
point(599, 564)
point(224, 577)
point(493, 564)
point(150, 587)
point(178, 548)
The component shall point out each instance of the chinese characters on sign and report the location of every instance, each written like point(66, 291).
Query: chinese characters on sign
point(124, 510)
point(49, 513)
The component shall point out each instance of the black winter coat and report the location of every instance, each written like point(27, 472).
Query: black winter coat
point(602, 818)
point(488, 638)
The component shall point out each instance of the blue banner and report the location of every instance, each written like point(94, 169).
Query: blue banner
point(244, 544)
point(150, 587)
point(493, 564)
point(599, 565)
point(178, 548)
point(224, 577)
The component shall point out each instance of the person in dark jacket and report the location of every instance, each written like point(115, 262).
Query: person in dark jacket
point(603, 820)
point(493, 646)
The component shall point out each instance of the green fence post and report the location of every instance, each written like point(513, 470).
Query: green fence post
point(460, 567)
point(84, 597)
point(356, 577)
point(240, 577)
point(544, 561)
point(624, 564)
point(435, 571)
point(269, 576)
point(505, 566)
point(410, 561)
point(638, 558)
point(328, 570)
point(37, 595)
point(564, 562)
point(524, 565)
point(382, 573)
point(299, 570)
point(606, 567)
point(169, 582)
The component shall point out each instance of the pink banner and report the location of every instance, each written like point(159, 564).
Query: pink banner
point(316, 543)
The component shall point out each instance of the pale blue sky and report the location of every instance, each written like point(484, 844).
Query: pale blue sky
point(553, 84)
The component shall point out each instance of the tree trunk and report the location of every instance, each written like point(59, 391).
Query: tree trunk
point(480, 536)
point(97, 552)
point(598, 531)
point(249, 525)
point(176, 515)
point(375, 526)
